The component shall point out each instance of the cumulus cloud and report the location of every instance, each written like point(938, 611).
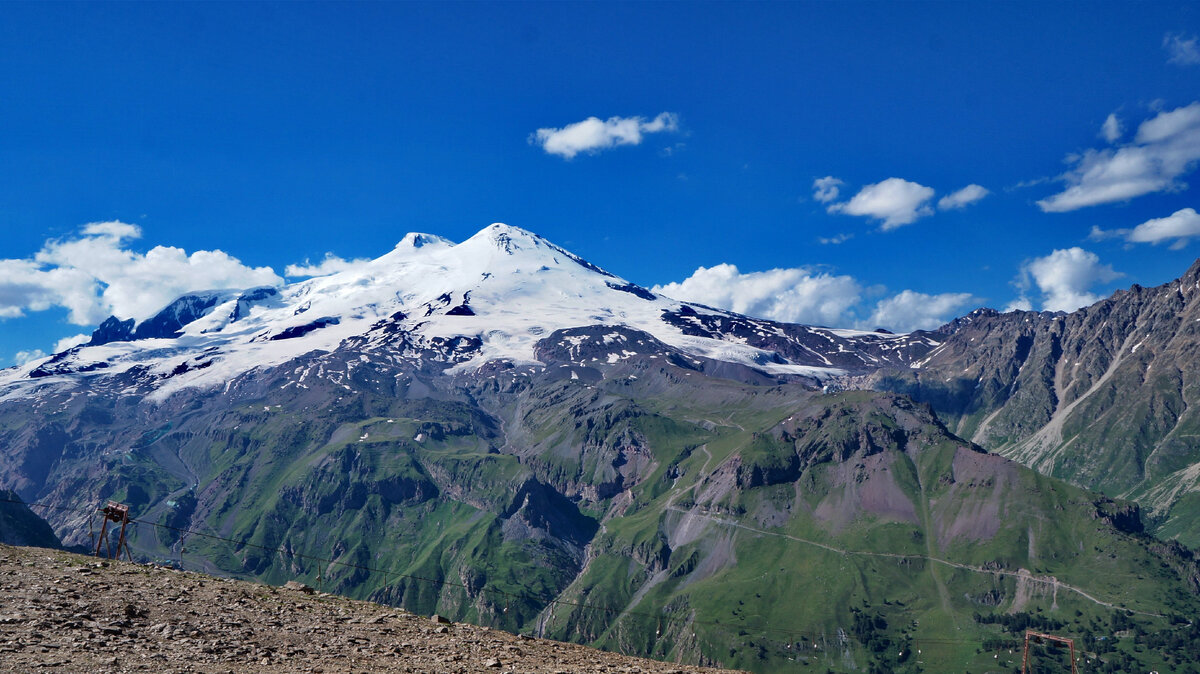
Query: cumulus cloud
point(67, 342)
point(593, 134)
point(795, 295)
point(1065, 279)
point(1180, 50)
point(909, 310)
point(1019, 304)
point(962, 198)
point(1181, 226)
point(800, 295)
point(1111, 129)
point(24, 285)
point(826, 189)
point(113, 228)
point(895, 201)
point(95, 274)
point(23, 357)
point(332, 264)
point(1165, 148)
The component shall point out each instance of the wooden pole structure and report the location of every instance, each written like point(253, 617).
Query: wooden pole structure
point(118, 513)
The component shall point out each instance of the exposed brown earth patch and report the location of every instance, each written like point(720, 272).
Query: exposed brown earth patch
point(865, 485)
point(69, 613)
point(972, 509)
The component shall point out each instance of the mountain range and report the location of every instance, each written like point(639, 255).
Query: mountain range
point(501, 431)
point(1105, 397)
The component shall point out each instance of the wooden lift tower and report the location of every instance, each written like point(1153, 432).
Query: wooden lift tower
point(118, 513)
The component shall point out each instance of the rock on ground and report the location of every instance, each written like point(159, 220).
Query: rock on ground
point(61, 612)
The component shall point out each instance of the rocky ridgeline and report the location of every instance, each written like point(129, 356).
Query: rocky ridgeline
point(1104, 397)
point(69, 613)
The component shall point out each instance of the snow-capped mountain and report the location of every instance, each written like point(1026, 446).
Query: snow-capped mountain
point(546, 436)
point(457, 307)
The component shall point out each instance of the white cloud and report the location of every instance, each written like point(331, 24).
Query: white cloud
point(1169, 125)
point(962, 198)
point(332, 264)
point(835, 239)
point(895, 201)
point(1098, 234)
point(114, 229)
point(592, 134)
point(24, 285)
point(23, 357)
point(826, 189)
point(1183, 52)
point(67, 342)
point(794, 295)
point(1181, 225)
point(1065, 278)
point(1111, 129)
point(799, 295)
point(910, 310)
point(670, 150)
point(1020, 304)
point(95, 274)
point(1034, 182)
point(1164, 148)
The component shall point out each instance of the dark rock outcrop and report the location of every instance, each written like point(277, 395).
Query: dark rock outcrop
point(112, 329)
point(21, 526)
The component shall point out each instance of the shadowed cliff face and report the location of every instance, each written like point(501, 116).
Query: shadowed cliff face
point(1104, 397)
point(20, 526)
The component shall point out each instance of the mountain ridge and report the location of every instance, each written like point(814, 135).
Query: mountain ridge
point(509, 447)
point(499, 290)
point(1103, 396)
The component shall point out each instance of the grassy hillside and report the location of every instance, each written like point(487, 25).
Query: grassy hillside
point(1105, 397)
point(652, 510)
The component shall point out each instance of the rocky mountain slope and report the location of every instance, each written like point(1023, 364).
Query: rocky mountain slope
point(21, 526)
point(504, 433)
point(1105, 397)
point(68, 613)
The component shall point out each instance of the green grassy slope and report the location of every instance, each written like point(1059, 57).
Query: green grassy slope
point(657, 511)
point(853, 563)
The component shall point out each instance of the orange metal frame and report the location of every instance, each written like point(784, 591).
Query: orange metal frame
point(1030, 634)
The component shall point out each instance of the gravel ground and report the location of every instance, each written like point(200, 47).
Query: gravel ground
point(61, 612)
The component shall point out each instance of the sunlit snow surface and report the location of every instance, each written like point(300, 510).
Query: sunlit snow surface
point(519, 286)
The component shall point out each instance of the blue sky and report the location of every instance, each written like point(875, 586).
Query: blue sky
point(233, 140)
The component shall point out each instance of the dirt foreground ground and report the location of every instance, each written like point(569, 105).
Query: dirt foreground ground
point(61, 612)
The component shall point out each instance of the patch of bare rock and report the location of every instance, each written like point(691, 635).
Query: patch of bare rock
point(61, 612)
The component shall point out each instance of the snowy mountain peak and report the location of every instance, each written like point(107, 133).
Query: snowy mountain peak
point(508, 240)
point(414, 240)
point(492, 298)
